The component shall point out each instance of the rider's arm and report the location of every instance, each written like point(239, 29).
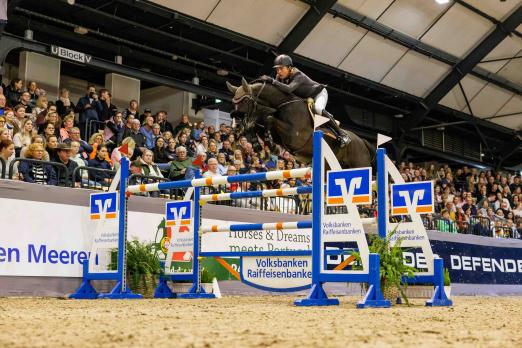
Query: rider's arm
point(292, 86)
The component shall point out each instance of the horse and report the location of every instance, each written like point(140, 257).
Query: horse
point(288, 119)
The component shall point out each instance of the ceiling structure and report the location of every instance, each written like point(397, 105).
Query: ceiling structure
point(455, 66)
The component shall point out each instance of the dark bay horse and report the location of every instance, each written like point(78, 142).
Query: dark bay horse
point(288, 119)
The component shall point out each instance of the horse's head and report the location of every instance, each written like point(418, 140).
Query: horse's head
point(245, 104)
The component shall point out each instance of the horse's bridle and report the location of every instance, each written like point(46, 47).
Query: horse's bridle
point(251, 98)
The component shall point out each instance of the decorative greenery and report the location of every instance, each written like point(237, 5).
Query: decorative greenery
point(447, 280)
point(206, 276)
point(391, 263)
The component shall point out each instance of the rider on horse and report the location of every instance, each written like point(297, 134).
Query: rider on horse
point(289, 79)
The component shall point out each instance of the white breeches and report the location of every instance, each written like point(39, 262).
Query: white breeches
point(320, 101)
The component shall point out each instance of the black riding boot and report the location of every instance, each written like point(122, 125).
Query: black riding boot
point(343, 137)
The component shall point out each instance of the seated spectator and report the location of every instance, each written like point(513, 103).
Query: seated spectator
point(13, 92)
point(40, 110)
point(202, 145)
point(170, 150)
point(100, 162)
point(64, 157)
point(128, 126)
point(181, 168)
point(222, 164)
point(160, 154)
point(95, 141)
point(184, 141)
point(75, 155)
point(25, 100)
point(64, 105)
point(114, 129)
point(23, 138)
point(517, 211)
point(469, 205)
point(161, 120)
point(38, 139)
point(156, 132)
point(85, 149)
point(167, 136)
point(212, 151)
point(52, 148)
point(446, 224)
point(212, 168)
point(184, 123)
point(7, 151)
point(199, 129)
point(146, 165)
point(3, 103)
point(4, 134)
point(20, 116)
point(38, 173)
point(116, 154)
point(139, 139)
point(67, 126)
point(34, 92)
point(55, 120)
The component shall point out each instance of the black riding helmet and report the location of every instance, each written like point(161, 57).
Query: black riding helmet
point(282, 60)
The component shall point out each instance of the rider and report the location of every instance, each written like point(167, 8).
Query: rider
point(289, 79)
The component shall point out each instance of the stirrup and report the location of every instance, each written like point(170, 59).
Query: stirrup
point(344, 139)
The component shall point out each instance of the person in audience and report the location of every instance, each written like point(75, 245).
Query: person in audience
point(116, 154)
point(128, 126)
point(202, 145)
point(156, 131)
point(137, 136)
point(114, 129)
point(25, 100)
point(64, 105)
point(7, 151)
point(38, 173)
point(469, 205)
point(132, 110)
point(446, 223)
point(47, 129)
point(36, 139)
point(184, 123)
point(64, 157)
point(199, 129)
point(161, 120)
point(183, 141)
point(212, 168)
point(3, 103)
point(107, 108)
point(212, 151)
point(85, 149)
point(2, 122)
point(75, 155)
point(100, 162)
point(40, 110)
point(52, 147)
point(89, 108)
point(13, 92)
point(159, 152)
point(222, 163)
point(146, 165)
point(146, 113)
point(67, 126)
point(170, 150)
point(23, 138)
point(167, 136)
point(146, 130)
point(181, 167)
point(54, 119)
point(10, 124)
point(20, 116)
point(34, 92)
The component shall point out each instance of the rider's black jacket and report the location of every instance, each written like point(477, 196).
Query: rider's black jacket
point(299, 84)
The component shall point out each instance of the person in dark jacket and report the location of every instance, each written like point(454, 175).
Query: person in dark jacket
point(38, 173)
point(289, 79)
point(64, 157)
point(114, 129)
point(13, 92)
point(103, 178)
point(161, 119)
point(107, 108)
point(89, 108)
point(85, 149)
point(160, 153)
point(64, 105)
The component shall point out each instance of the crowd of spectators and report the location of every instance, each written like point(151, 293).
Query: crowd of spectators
point(44, 131)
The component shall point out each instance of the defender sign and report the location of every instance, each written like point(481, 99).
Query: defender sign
point(418, 195)
point(70, 54)
point(356, 183)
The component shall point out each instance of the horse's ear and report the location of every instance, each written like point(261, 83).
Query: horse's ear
point(246, 86)
point(231, 87)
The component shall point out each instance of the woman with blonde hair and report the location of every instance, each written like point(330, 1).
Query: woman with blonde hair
point(67, 126)
point(38, 173)
point(23, 138)
point(52, 117)
point(36, 139)
point(10, 123)
point(40, 111)
point(117, 155)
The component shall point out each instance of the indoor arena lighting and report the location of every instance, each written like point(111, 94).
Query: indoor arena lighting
point(442, 2)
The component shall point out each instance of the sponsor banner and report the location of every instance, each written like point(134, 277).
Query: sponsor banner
point(285, 273)
point(352, 183)
point(243, 241)
point(53, 240)
point(418, 195)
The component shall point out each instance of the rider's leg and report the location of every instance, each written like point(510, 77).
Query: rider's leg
point(320, 101)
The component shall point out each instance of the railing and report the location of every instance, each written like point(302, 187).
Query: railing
point(62, 174)
point(90, 127)
point(480, 226)
point(444, 225)
point(91, 181)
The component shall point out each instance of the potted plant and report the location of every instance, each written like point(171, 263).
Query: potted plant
point(392, 266)
point(447, 283)
point(143, 267)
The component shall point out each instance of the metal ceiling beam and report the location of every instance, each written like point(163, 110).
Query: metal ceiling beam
point(465, 66)
point(484, 15)
point(301, 30)
point(418, 46)
point(9, 41)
